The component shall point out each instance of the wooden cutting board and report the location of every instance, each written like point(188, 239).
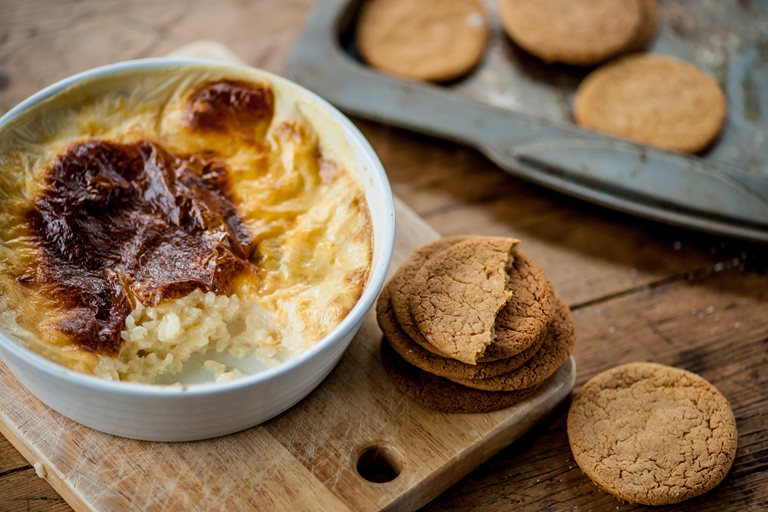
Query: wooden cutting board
point(309, 458)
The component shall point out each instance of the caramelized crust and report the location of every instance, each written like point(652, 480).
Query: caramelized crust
point(153, 216)
point(122, 220)
point(231, 106)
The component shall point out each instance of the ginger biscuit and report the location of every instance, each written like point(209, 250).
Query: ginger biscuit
point(430, 40)
point(519, 324)
point(415, 355)
point(457, 293)
point(525, 316)
point(554, 352)
point(652, 434)
point(652, 99)
point(577, 32)
point(440, 394)
point(400, 283)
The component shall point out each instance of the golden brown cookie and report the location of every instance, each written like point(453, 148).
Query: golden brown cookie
point(401, 281)
point(429, 40)
point(652, 434)
point(415, 355)
point(441, 394)
point(652, 99)
point(578, 32)
point(456, 295)
point(525, 317)
point(554, 352)
point(520, 322)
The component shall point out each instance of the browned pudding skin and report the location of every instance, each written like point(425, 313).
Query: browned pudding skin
point(231, 106)
point(121, 220)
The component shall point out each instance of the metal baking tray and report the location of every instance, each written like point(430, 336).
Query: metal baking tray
point(516, 110)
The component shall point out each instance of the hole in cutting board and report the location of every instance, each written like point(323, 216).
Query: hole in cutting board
point(379, 464)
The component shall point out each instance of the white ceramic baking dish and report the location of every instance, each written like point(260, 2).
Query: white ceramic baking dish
point(175, 413)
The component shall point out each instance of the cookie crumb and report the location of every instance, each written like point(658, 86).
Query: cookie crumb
point(40, 470)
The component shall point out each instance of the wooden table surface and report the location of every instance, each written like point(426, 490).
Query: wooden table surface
point(639, 290)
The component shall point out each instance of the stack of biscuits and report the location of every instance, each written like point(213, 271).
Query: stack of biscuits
point(471, 324)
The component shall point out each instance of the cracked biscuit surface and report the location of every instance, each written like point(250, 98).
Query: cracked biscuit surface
point(400, 287)
point(524, 318)
point(554, 352)
point(457, 294)
point(414, 354)
point(519, 325)
point(652, 434)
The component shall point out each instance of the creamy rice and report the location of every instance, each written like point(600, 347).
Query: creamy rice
point(160, 340)
point(310, 234)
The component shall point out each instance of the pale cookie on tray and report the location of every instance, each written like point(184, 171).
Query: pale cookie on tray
point(577, 32)
point(554, 352)
point(652, 434)
point(652, 99)
point(414, 354)
point(440, 394)
point(430, 40)
point(458, 292)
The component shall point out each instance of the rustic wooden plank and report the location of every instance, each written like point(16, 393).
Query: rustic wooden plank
point(42, 41)
point(714, 325)
point(455, 188)
point(24, 492)
point(10, 458)
point(94, 471)
point(303, 460)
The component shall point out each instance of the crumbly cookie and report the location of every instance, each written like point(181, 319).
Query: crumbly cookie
point(400, 286)
point(652, 99)
point(519, 324)
point(524, 318)
point(578, 32)
point(440, 394)
point(652, 434)
point(554, 352)
point(415, 355)
point(457, 293)
point(429, 40)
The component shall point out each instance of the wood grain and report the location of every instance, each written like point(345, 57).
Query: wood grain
point(303, 460)
point(24, 491)
point(714, 325)
point(611, 266)
point(588, 252)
